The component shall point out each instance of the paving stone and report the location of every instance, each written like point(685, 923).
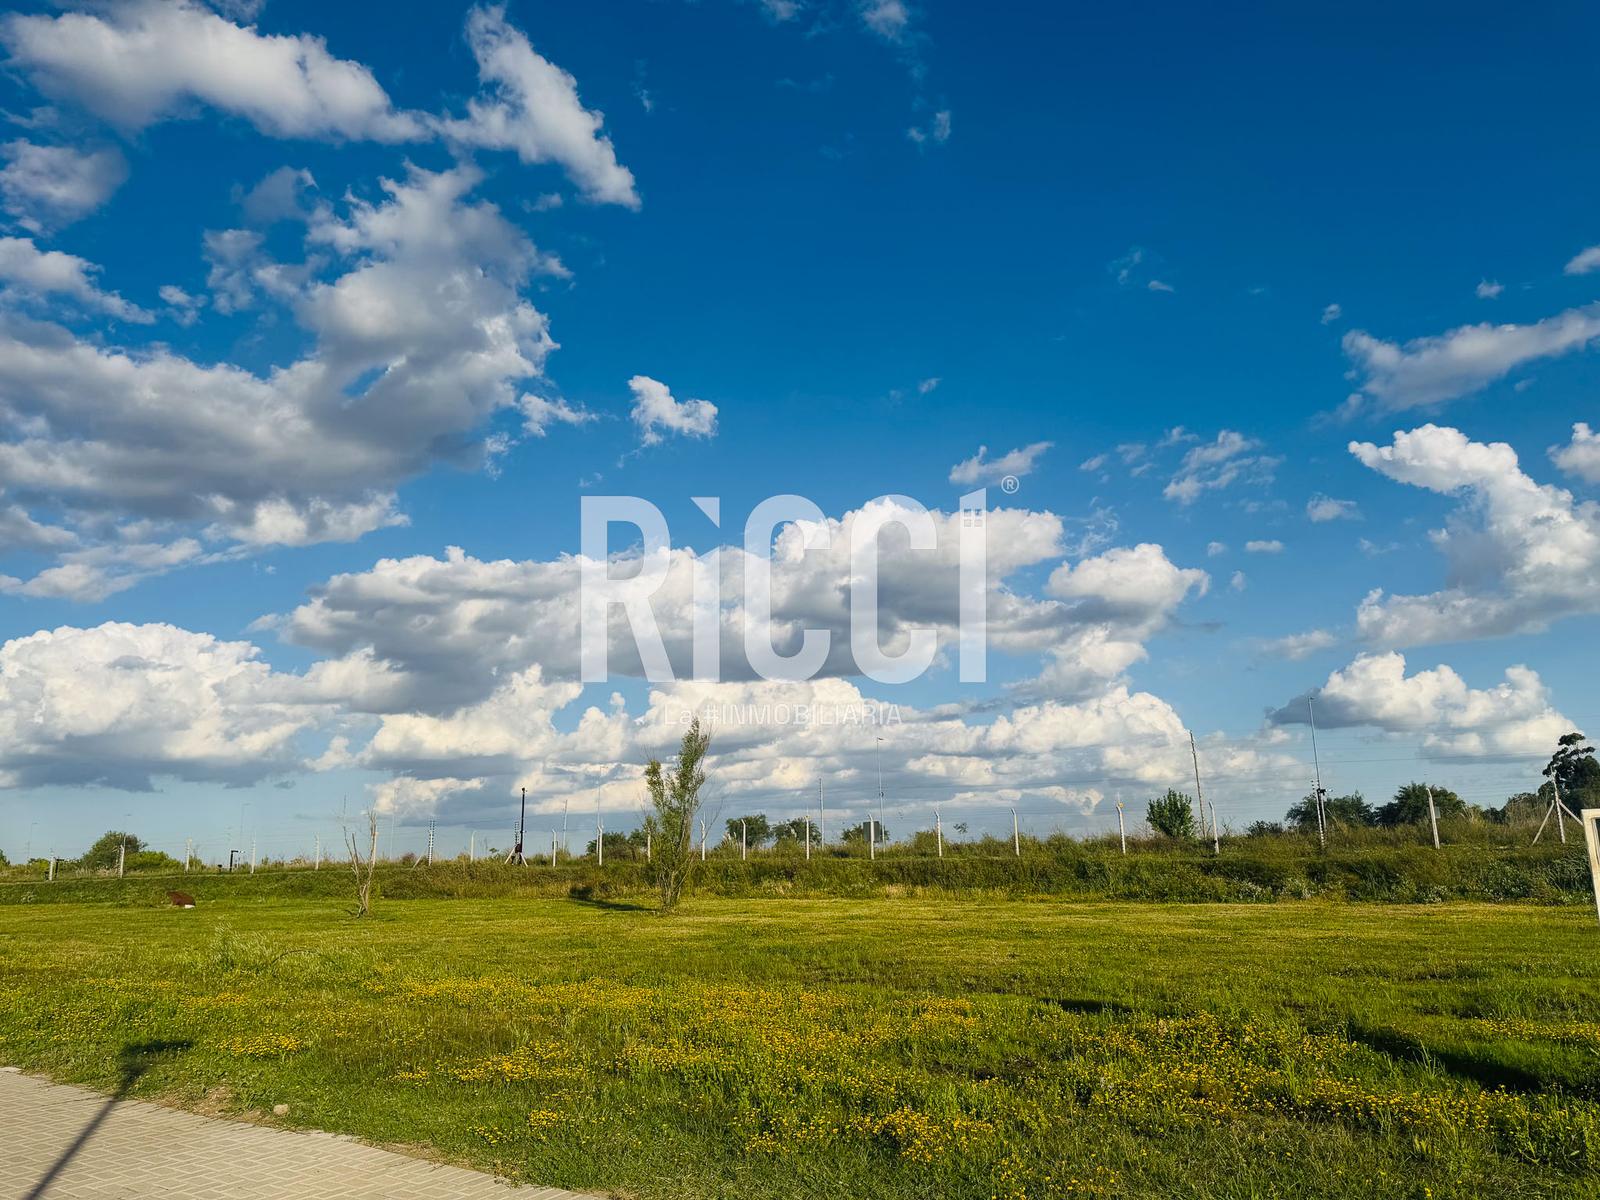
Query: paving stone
point(68, 1143)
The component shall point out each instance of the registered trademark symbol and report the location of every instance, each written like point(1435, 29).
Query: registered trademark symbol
point(1010, 484)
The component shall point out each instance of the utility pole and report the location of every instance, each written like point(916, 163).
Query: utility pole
point(188, 853)
point(1316, 762)
point(938, 832)
point(317, 865)
point(1216, 844)
point(702, 839)
point(252, 856)
point(647, 845)
point(1016, 837)
point(872, 835)
point(822, 818)
point(599, 831)
point(430, 842)
point(472, 846)
point(1122, 828)
point(806, 817)
point(879, 754)
point(1433, 816)
point(552, 847)
point(122, 857)
point(1561, 825)
point(744, 847)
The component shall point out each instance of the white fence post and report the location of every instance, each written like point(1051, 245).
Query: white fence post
point(1591, 837)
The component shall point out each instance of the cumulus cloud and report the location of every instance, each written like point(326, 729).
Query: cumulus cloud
point(531, 106)
point(1488, 289)
point(29, 271)
point(1264, 546)
point(1231, 458)
point(120, 705)
point(44, 188)
point(935, 132)
point(1520, 554)
point(1515, 717)
point(657, 414)
point(136, 63)
point(981, 469)
point(1580, 456)
point(1584, 261)
point(1325, 508)
point(419, 334)
point(1331, 314)
point(1429, 371)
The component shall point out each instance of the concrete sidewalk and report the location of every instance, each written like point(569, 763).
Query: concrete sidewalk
point(68, 1143)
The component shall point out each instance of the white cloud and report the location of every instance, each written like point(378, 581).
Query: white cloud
point(1215, 548)
point(121, 704)
point(1331, 314)
point(1520, 554)
point(1296, 646)
point(1326, 508)
point(1137, 587)
point(138, 62)
point(531, 106)
point(1238, 581)
point(1429, 371)
point(26, 269)
point(981, 469)
point(1264, 546)
point(889, 19)
point(656, 413)
point(1093, 464)
point(47, 187)
point(1584, 261)
point(405, 796)
point(927, 385)
point(416, 345)
point(1580, 456)
point(1488, 289)
point(1216, 465)
point(1513, 718)
point(936, 132)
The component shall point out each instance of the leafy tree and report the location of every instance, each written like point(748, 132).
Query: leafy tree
point(1524, 806)
point(103, 855)
point(1265, 829)
point(1171, 815)
point(1348, 812)
point(1410, 805)
point(795, 831)
point(757, 829)
point(620, 847)
point(1574, 770)
point(674, 804)
point(859, 833)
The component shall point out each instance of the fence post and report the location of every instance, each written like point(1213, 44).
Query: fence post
point(1591, 838)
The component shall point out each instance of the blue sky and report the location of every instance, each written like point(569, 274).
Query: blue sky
point(877, 236)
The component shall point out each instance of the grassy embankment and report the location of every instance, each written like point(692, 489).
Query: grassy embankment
point(913, 1047)
point(1478, 863)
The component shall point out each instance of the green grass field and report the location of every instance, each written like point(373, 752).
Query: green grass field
point(884, 1048)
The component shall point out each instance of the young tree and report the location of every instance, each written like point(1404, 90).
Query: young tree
point(756, 828)
point(674, 803)
point(1410, 805)
point(363, 870)
point(1171, 815)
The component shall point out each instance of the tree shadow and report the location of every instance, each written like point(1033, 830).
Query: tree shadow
point(1484, 1072)
point(580, 897)
point(135, 1059)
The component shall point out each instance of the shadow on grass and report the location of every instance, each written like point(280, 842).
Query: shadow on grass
point(1484, 1072)
point(578, 896)
point(135, 1059)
